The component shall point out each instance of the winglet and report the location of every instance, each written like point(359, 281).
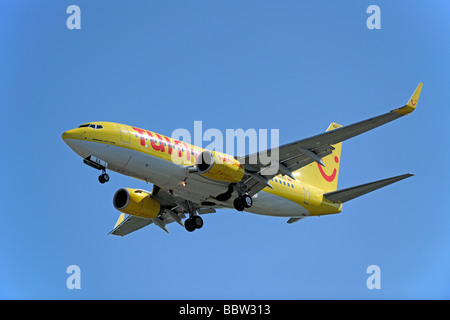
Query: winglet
point(412, 102)
point(120, 220)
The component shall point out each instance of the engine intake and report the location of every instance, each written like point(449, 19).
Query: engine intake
point(136, 203)
point(219, 166)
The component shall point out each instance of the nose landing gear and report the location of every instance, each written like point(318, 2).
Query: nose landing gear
point(98, 164)
point(104, 177)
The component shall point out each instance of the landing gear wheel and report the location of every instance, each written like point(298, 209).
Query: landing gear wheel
point(104, 177)
point(197, 221)
point(247, 201)
point(189, 225)
point(192, 223)
point(244, 201)
point(238, 204)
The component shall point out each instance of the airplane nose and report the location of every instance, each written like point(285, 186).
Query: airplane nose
point(72, 134)
point(72, 137)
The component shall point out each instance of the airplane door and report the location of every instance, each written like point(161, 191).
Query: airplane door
point(124, 134)
point(306, 193)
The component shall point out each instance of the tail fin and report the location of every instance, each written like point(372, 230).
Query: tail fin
point(324, 178)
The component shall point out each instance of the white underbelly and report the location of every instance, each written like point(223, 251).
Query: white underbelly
point(272, 205)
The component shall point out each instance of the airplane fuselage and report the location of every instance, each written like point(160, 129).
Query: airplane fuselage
point(166, 162)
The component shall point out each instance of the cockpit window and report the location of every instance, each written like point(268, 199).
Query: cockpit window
point(93, 126)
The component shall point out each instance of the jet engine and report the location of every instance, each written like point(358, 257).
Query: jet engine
point(219, 166)
point(136, 203)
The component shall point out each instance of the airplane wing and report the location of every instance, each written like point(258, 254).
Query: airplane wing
point(293, 156)
point(174, 209)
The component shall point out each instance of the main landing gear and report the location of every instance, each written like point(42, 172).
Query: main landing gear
point(193, 222)
point(243, 202)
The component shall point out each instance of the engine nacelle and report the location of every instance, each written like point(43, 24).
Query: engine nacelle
point(218, 166)
point(136, 203)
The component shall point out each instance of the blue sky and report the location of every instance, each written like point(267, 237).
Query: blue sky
point(288, 65)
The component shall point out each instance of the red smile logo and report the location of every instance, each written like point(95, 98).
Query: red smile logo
point(413, 102)
point(331, 177)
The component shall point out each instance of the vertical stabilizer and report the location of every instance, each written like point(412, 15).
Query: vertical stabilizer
point(323, 177)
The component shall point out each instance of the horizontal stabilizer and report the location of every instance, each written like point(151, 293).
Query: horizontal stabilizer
point(348, 194)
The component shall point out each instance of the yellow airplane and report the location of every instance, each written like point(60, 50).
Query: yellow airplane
point(191, 181)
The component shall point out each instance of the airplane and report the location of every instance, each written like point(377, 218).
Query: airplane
point(189, 181)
